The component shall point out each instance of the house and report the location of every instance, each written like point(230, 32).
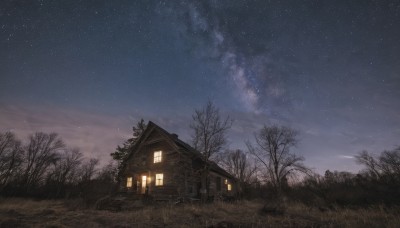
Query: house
point(163, 166)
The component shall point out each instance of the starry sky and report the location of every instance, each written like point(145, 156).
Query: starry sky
point(90, 69)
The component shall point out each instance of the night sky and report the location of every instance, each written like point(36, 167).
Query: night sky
point(89, 70)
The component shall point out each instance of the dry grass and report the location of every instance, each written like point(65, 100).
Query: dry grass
point(30, 213)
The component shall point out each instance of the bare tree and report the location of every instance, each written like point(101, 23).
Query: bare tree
point(108, 173)
point(390, 162)
point(10, 158)
point(88, 169)
point(272, 149)
point(87, 173)
point(237, 164)
point(66, 169)
point(209, 130)
point(209, 136)
point(106, 177)
point(386, 164)
point(372, 164)
point(42, 151)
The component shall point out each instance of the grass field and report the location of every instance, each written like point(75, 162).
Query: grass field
point(17, 212)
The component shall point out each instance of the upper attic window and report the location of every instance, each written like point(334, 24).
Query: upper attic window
point(157, 156)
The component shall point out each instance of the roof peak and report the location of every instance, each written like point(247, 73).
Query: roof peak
point(186, 146)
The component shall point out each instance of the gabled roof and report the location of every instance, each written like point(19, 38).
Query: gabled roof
point(179, 144)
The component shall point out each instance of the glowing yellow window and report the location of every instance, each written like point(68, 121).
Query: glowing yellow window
point(157, 156)
point(226, 181)
point(159, 179)
point(229, 187)
point(129, 182)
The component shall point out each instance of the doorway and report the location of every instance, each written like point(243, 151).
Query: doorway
point(144, 184)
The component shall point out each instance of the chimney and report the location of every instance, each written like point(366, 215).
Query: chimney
point(174, 135)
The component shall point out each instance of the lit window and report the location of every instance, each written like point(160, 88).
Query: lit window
point(159, 179)
point(229, 187)
point(129, 182)
point(226, 181)
point(157, 156)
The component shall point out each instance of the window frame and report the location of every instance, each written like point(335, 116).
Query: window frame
point(229, 187)
point(157, 156)
point(129, 182)
point(159, 179)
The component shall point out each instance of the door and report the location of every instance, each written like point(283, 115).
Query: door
point(144, 184)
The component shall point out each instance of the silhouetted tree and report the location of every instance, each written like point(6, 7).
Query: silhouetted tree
point(370, 163)
point(66, 169)
point(387, 164)
point(42, 151)
point(122, 151)
point(107, 177)
point(11, 153)
point(390, 162)
point(108, 173)
point(44, 167)
point(272, 149)
point(209, 136)
point(237, 163)
point(88, 169)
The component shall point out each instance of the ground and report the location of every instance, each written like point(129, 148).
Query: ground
point(17, 212)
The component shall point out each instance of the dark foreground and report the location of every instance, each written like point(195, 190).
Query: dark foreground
point(17, 212)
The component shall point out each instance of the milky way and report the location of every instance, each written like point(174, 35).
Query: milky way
point(90, 69)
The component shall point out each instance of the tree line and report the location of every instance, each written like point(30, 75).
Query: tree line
point(377, 183)
point(269, 168)
point(45, 167)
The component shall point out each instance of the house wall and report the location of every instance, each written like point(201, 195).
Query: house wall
point(216, 178)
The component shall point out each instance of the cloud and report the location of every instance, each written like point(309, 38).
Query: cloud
point(346, 156)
